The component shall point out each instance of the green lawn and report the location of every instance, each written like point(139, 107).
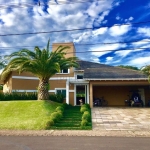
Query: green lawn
point(25, 115)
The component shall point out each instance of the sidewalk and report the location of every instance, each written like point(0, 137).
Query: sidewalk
point(74, 133)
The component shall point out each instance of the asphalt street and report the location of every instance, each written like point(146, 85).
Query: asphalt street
point(73, 143)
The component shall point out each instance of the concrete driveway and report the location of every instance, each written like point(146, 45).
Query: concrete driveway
point(117, 118)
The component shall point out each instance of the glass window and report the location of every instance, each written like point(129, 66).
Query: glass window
point(65, 71)
point(79, 76)
point(61, 91)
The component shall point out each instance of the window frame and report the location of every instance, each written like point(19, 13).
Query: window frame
point(79, 75)
point(61, 89)
point(61, 72)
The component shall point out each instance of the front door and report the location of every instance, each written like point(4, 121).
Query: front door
point(81, 94)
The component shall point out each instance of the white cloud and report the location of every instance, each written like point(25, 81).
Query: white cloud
point(99, 31)
point(131, 18)
point(144, 42)
point(100, 19)
point(104, 49)
point(105, 21)
point(108, 59)
point(119, 30)
point(117, 18)
point(145, 31)
point(123, 53)
point(95, 59)
point(82, 37)
point(140, 61)
point(97, 7)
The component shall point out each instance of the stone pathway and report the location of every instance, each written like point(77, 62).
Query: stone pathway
point(117, 118)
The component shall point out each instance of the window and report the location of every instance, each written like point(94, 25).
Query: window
point(64, 71)
point(61, 91)
point(80, 76)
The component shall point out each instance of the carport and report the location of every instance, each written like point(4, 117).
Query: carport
point(117, 91)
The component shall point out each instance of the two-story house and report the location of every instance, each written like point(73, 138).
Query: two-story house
point(87, 81)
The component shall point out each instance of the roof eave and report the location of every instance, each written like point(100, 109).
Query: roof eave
point(117, 79)
point(79, 70)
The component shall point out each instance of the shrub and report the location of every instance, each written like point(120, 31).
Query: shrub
point(83, 109)
point(86, 116)
point(56, 116)
point(65, 105)
point(50, 123)
point(84, 122)
point(86, 105)
point(52, 97)
point(60, 108)
point(18, 96)
point(60, 114)
point(57, 97)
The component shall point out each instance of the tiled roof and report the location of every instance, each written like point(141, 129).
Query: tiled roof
point(101, 71)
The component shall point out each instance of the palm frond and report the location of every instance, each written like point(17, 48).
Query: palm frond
point(42, 63)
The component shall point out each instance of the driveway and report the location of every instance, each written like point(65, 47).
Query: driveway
point(117, 118)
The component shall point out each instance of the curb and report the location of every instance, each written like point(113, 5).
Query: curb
point(74, 133)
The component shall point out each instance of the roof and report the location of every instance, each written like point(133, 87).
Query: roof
point(101, 71)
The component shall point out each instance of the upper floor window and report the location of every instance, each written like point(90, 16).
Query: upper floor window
point(65, 71)
point(79, 76)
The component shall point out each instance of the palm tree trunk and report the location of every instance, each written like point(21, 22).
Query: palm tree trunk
point(43, 89)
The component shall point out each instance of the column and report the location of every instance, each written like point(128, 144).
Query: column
point(67, 92)
point(91, 95)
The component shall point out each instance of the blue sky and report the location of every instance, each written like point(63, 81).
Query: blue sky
point(104, 43)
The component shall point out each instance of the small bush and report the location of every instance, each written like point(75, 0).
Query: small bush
point(60, 108)
point(60, 114)
point(84, 123)
point(83, 109)
point(86, 116)
point(56, 116)
point(86, 105)
point(50, 123)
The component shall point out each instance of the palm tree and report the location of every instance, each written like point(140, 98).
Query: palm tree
point(2, 63)
point(41, 63)
point(146, 70)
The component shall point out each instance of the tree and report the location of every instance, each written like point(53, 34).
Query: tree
point(129, 67)
point(2, 63)
point(146, 70)
point(41, 63)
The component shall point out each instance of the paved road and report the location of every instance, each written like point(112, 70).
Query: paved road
point(73, 143)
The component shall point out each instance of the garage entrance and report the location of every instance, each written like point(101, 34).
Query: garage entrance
point(116, 95)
